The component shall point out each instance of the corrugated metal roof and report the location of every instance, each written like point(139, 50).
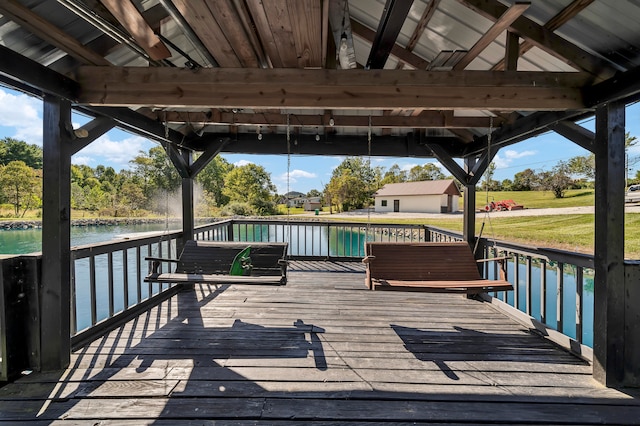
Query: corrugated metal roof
point(426, 187)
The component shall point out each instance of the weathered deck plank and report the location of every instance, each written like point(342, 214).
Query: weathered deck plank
point(323, 351)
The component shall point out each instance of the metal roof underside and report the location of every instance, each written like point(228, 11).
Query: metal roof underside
point(239, 75)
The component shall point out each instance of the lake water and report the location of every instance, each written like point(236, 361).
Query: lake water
point(346, 242)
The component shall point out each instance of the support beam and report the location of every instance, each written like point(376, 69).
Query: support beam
point(411, 145)
point(511, 54)
point(330, 89)
point(523, 128)
point(177, 158)
point(132, 20)
point(398, 51)
point(623, 87)
point(138, 124)
point(447, 161)
point(423, 119)
point(576, 134)
point(94, 129)
point(188, 215)
point(469, 209)
point(55, 292)
point(206, 157)
point(609, 283)
point(393, 16)
point(501, 24)
point(33, 74)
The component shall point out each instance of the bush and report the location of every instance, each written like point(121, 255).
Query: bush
point(237, 209)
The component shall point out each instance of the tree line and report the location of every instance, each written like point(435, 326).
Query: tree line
point(151, 183)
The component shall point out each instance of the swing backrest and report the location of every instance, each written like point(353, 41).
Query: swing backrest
point(422, 261)
point(216, 257)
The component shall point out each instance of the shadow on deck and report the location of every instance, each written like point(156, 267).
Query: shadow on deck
point(319, 349)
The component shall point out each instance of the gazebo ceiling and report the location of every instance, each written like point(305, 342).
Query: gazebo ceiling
point(426, 77)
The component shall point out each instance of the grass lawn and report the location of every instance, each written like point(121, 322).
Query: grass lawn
point(538, 199)
point(567, 232)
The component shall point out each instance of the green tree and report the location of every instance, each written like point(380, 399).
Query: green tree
point(212, 179)
point(352, 183)
point(21, 186)
point(428, 171)
point(525, 180)
point(251, 184)
point(394, 175)
point(558, 180)
point(16, 150)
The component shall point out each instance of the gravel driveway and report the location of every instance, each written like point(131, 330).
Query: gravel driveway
point(633, 208)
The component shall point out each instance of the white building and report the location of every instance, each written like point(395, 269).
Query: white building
point(430, 196)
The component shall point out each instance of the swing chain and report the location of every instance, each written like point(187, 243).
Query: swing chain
point(370, 179)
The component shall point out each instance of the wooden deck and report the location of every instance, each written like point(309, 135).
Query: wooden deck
point(321, 349)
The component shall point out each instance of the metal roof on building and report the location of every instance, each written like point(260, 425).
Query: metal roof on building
point(426, 187)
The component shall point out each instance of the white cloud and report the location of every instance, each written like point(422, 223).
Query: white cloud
point(78, 159)
point(294, 177)
point(301, 174)
point(108, 152)
point(23, 113)
point(508, 156)
point(242, 163)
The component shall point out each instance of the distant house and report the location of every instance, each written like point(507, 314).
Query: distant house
point(430, 196)
point(312, 203)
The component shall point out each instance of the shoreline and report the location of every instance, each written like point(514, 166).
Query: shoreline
point(13, 225)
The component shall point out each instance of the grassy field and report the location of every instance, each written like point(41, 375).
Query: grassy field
point(567, 232)
point(538, 199)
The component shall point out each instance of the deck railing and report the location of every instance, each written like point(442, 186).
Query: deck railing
point(552, 286)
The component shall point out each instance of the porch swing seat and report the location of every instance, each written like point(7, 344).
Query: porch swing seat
point(428, 267)
point(222, 262)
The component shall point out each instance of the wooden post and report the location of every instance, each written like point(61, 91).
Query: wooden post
point(609, 296)
point(188, 216)
point(469, 221)
point(55, 290)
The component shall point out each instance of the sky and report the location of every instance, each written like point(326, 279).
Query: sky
point(21, 118)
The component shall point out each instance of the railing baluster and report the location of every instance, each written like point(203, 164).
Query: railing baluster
point(516, 280)
point(138, 274)
point(543, 291)
point(528, 285)
point(110, 282)
point(560, 297)
point(92, 290)
point(74, 302)
point(579, 291)
point(125, 278)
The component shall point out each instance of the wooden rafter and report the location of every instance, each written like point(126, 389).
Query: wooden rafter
point(501, 24)
point(228, 19)
point(553, 24)
point(545, 39)
point(306, 20)
point(50, 33)
point(398, 51)
point(281, 27)
point(264, 31)
point(198, 15)
point(340, 89)
point(133, 21)
point(422, 24)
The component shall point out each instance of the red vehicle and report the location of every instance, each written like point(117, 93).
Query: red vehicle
point(503, 205)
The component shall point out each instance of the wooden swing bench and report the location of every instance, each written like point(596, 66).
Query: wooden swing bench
point(428, 267)
point(211, 262)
